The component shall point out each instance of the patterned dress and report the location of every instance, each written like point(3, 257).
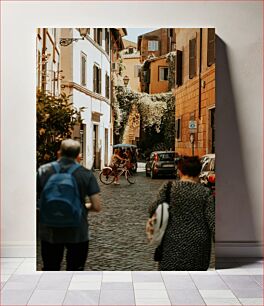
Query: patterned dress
point(186, 244)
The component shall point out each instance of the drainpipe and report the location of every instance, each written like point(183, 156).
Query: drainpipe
point(200, 70)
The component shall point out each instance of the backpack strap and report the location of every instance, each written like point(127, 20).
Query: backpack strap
point(56, 166)
point(73, 168)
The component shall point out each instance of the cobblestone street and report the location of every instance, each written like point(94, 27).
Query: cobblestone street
point(118, 240)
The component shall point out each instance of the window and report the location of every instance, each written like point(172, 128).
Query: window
point(211, 47)
point(178, 67)
point(178, 128)
point(153, 45)
point(107, 80)
point(107, 41)
point(83, 69)
point(137, 70)
point(163, 73)
point(192, 58)
point(97, 79)
point(98, 36)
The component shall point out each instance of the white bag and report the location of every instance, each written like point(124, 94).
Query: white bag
point(160, 222)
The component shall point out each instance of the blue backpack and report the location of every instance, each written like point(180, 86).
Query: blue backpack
point(60, 203)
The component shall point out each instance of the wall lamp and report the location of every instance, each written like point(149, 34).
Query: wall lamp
point(67, 41)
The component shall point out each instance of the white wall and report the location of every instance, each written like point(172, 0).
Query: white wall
point(239, 107)
point(94, 55)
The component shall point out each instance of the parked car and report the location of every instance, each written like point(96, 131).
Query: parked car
point(207, 175)
point(132, 148)
point(161, 163)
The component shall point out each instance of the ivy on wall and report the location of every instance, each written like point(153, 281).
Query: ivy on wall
point(157, 112)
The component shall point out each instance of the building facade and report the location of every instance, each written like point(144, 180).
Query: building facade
point(86, 70)
point(195, 91)
point(154, 75)
point(131, 61)
point(48, 67)
point(156, 43)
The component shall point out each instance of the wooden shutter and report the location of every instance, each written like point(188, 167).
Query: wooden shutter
point(107, 41)
point(107, 85)
point(178, 67)
point(95, 35)
point(99, 80)
point(83, 81)
point(178, 128)
point(100, 31)
point(211, 47)
point(94, 78)
point(192, 58)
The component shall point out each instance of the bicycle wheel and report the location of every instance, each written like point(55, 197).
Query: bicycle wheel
point(106, 176)
point(130, 177)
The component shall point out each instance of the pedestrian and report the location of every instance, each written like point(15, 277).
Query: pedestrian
point(186, 244)
point(116, 160)
point(58, 235)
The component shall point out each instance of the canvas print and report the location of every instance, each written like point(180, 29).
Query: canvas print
point(125, 149)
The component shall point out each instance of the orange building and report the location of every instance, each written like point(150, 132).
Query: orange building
point(195, 91)
point(156, 43)
point(154, 75)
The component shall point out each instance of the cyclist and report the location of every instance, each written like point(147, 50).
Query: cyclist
point(115, 163)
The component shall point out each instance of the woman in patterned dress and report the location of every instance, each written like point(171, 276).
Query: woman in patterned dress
point(186, 244)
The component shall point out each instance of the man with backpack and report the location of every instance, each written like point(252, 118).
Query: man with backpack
point(63, 187)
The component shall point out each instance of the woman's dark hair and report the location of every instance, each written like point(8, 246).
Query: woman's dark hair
point(190, 165)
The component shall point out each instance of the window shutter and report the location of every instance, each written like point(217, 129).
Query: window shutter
point(95, 35)
point(178, 128)
point(192, 58)
point(99, 80)
point(100, 32)
point(94, 78)
point(211, 47)
point(106, 85)
point(107, 41)
point(178, 67)
point(83, 80)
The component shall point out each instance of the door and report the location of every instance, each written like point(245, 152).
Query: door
point(96, 152)
point(106, 148)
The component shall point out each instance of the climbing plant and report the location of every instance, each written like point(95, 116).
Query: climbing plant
point(171, 60)
point(157, 113)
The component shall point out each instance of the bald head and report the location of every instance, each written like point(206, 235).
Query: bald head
point(70, 148)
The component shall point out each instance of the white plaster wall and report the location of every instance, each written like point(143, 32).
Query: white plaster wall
point(94, 55)
point(239, 107)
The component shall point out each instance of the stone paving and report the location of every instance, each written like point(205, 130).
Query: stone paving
point(118, 240)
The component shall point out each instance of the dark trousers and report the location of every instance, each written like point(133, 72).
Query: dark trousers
point(52, 255)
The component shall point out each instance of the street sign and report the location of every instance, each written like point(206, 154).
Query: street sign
point(192, 125)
